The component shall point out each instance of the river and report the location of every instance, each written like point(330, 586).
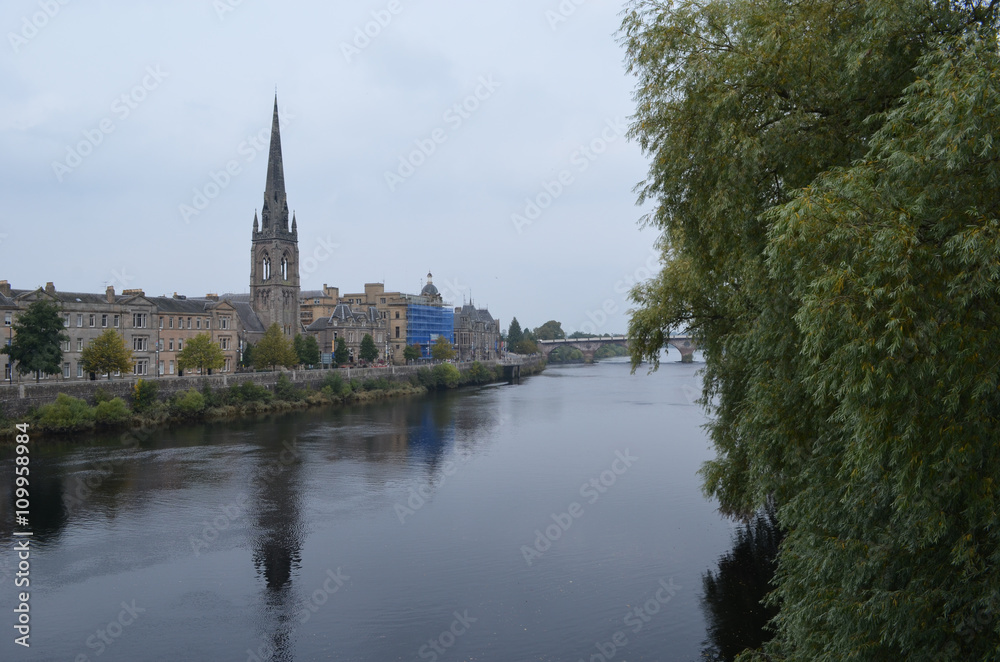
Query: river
point(559, 519)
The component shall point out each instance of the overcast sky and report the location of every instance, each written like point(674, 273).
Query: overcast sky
point(414, 147)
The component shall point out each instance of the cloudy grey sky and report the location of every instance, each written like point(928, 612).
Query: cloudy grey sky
point(415, 146)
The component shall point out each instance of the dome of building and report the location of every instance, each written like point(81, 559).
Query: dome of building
point(429, 289)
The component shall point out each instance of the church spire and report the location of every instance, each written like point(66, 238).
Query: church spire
point(275, 212)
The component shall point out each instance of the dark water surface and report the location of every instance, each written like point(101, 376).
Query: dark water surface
point(396, 531)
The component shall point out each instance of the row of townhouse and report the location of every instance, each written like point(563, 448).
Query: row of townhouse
point(154, 328)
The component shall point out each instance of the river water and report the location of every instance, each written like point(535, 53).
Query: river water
point(559, 519)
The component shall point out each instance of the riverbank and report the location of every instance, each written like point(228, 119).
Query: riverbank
point(145, 403)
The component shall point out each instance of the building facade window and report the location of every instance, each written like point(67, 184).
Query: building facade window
point(66, 320)
point(197, 323)
point(93, 321)
point(66, 370)
point(170, 367)
point(170, 322)
point(79, 320)
point(139, 320)
point(79, 370)
point(228, 366)
point(117, 320)
point(161, 367)
point(224, 343)
point(139, 344)
point(170, 345)
point(104, 321)
point(140, 367)
point(79, 344)
point(397, 331)
point(161, 321)
point(180, 344)
point(224, 323)
point(65, 345)
point(189, 322)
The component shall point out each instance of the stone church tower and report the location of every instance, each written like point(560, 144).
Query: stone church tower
point(274, 251)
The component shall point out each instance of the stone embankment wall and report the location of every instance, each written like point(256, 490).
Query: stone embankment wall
point(18, 399)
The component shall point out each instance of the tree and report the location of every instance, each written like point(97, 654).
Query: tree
point(308, 350)
point(340, 353)
point(107, 354)
point(551, 330)
point(411, 352)
point(38, 333)
point(246, 361)
point(274, 350)
point(297, 346)
point(200, 352)
point(514, 334)
point(442, 349)
point(825, 181)
point(369, 352)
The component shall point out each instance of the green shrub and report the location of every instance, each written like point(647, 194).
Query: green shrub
point(100, 395)
point(144, 395)
point(110, 412)
point(190, 403)
point(285, 390)
point(356, 386)
point(334, 381)
point(426, 378)
point(248, 392)
point(66, 413)
point(446, 375)
point(479, 374)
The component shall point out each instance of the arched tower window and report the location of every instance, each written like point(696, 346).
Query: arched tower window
point(265, 267)
point(284, 267)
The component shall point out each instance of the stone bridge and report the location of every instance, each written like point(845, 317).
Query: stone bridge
point(684, 344)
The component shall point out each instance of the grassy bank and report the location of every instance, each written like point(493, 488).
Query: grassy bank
point(145, 409)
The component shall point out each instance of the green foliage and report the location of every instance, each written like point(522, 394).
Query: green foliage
point(144, 395)
point(566, 355)
point(66, 414)
point(610, 351)
point(100, 395)
point(525, 346)
point(284, 389)
point(38, 334)
point(442, 349)
point(514, 333)
point(825, 179)
point(356, 386)
point(248, 391)
point(201, 353)
point(369, 352)
point(108, 354)
point(274, 350)
point(112, 412)
point(446, 375)
point(426, 378)
point(479, 374)
point(246, 360)
point(411, 352)
point(308, 351)
point(189, 403)
point(340, 353)
point(551, 330)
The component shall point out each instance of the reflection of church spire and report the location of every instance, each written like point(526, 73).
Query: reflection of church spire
point(276, 537)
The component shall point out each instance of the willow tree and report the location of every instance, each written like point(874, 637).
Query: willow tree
point(825, 183)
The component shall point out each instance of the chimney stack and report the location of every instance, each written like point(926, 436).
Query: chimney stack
point(109, 294)
point(4, 288)
point(50, 288)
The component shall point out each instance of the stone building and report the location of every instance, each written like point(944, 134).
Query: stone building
point(477, 334)
point(351, 324)
point(274, 250)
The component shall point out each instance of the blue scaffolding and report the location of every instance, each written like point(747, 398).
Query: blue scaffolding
point(426, 323)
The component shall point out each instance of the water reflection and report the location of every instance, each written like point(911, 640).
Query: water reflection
point(732, 601)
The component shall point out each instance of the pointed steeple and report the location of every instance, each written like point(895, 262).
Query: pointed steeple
point(255, 230)
point(275, 212)
point(295, 228)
